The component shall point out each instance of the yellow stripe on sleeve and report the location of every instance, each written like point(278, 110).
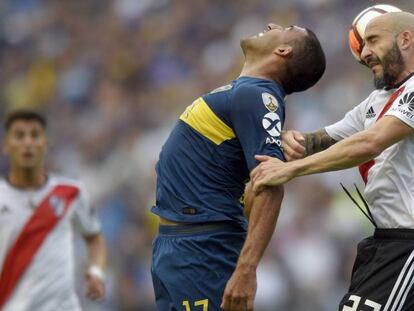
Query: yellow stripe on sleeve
point(202, 119)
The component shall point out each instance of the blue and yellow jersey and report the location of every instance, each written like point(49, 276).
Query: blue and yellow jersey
point(206, 160)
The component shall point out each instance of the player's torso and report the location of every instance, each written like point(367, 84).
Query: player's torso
point(390, 186)
point(52, 262)
point(202, 168)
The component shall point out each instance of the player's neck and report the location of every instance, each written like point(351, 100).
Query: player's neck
point(27, 178)
point(256, 72)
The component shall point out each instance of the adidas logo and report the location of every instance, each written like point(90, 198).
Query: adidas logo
point(370, 113)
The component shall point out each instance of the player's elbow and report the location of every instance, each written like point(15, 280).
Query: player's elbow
point(372, 146)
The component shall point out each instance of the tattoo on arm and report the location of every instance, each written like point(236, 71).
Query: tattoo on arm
point(317, 141)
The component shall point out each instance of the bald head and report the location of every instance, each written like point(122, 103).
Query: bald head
point(389, 48)
point(395, 22)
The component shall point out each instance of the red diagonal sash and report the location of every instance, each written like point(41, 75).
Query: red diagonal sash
point(364, 168)
point(45, 217)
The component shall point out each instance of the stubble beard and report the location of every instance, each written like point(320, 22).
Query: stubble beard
point(393, 64)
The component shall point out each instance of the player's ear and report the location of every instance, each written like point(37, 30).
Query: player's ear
point(283, 50)
point(405, 40)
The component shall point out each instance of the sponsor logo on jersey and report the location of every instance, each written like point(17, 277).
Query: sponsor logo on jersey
point(370, 113)
point(273, 141)
point(271, 123)
point(407, 101)
point(270, 102)
point(406, 105)
point(58, 205)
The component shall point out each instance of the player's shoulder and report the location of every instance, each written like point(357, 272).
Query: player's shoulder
point(58, 179)
point(248, 88)
point(258, 85)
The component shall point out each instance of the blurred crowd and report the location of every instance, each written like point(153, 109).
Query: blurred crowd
point(112, 76)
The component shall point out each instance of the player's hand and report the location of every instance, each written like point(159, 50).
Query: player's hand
point(293, 144)
point(95, 287)
point(240, 290)
point(270, 172)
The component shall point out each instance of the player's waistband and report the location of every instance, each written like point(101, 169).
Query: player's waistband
point(394, 234)
point(199, 228)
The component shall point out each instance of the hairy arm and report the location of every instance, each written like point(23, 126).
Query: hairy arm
point(241, 288)
point(347, 153)
point(317, 141)
point(297, 145)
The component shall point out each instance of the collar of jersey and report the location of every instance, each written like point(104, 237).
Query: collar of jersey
point(399, 83)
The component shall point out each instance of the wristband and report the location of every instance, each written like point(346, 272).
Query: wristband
point(97, 272)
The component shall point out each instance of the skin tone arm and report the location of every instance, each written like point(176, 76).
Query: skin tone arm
point(297, 145)
point(97, 257)
point(241, 288)
point(347, 153)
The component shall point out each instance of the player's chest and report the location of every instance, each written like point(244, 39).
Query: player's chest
point(16, 209)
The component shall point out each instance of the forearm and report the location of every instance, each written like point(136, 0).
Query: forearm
point(248, 200)
point(263, 216)
point(347, 153)
point(96, 250)
point(317, 142)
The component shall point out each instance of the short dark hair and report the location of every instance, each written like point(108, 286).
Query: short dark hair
point(306, 66)
point(23, 114)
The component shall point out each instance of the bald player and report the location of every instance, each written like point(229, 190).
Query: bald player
point(378, 136)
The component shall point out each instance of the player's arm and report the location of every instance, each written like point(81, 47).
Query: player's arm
point(317, 142)
point(248, 200)
point(347, 153)
point(241, 288)
point(297, 145)
point(249, 113)
point(86, 222)
point(96, 247)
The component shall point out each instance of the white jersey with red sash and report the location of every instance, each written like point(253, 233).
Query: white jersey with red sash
point(389, 179)
point(36, 244)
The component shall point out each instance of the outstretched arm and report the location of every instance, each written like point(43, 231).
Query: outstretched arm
point(297, 145)
point(241, 288)
point(347, 153)
point(317, 141)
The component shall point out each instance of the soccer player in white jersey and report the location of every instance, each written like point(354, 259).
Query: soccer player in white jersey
point(377, 135)
point(38, 212)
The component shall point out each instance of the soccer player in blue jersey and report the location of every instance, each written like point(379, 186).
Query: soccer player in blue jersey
point(204, 239)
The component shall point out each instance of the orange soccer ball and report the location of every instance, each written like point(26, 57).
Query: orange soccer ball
point(357, 31)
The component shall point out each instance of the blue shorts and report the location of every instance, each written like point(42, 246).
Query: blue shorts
point(191, 265)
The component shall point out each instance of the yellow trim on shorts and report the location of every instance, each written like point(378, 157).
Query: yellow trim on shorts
point(202, 119)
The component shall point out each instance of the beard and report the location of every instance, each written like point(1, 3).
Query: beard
point(393, 64)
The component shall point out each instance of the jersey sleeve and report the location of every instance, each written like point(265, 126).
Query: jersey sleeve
point(84, 219)
point(403, 107)
point(257, 119)
point(352, 123)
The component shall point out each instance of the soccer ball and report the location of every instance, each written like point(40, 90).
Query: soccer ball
point(357, 30)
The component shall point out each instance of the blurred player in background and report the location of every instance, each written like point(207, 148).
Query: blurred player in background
point(38, 213)
point(203, 168)
point(378, 136)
